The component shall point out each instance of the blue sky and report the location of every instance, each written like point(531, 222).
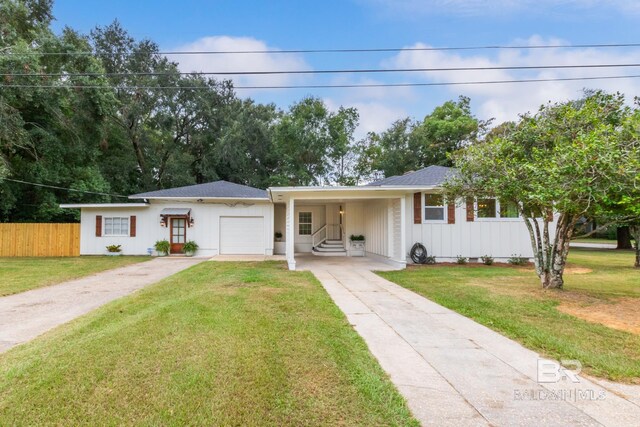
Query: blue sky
point(210, 25)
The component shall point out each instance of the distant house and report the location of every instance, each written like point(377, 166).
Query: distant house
point(228, 218)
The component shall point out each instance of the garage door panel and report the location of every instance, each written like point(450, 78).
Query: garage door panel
point(242, 235)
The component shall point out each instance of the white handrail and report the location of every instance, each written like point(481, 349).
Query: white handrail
point(322, 231)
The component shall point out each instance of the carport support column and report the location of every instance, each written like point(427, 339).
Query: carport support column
point(403, 229)
point(291, 233)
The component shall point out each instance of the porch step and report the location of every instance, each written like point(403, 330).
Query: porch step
point(329, 253)
point(330, 248)
point(331, 245)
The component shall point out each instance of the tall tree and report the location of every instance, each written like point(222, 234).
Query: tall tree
point(406, 145)
point(142, 78)
point(569, 159)
point(448, 128)
point(50, 131)
point(309, 141)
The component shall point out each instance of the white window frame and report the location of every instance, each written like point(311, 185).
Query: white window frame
point(497, 218)
point(310, 223)
point(445, 209)
point(126, 219)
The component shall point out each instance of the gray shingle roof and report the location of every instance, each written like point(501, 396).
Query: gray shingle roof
point(429, 176)
point(220, 189)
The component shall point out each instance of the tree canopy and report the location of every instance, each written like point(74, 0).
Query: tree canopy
point(571, 159)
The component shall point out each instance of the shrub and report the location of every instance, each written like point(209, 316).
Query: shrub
point(357, 238)
point(114, 248)
point(277, 235)
point(486, 259)
point(190, 247)
point(461, 260)
point(518, 260)
point(162, 246)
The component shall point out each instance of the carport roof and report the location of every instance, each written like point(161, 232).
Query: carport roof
point(209, 190)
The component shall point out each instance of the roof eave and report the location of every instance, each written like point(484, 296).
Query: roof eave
point(102, 205)
point(363, 188)
point(198, 198)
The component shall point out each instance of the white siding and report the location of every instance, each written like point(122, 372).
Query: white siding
point(205, 231)
point(499, 238)
point(318, 218)
point(354, 218)
point(396, 230)
point(280, 219)
point(376, 229)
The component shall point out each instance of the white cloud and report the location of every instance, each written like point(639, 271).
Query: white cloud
point(506, 101)
point(496, 7)
point(241, 62)
point(375, 116)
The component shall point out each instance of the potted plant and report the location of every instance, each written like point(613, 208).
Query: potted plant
point(190, 248)
point(279, 246)
point(357, 245)
point(162, 247)
point(114, 250)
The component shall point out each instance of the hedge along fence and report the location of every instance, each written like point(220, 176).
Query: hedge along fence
point(39, 240)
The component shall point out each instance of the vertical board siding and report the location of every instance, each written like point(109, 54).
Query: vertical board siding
point(39, 240)
point(398, 252)
point(376, 228)
point(497, 238)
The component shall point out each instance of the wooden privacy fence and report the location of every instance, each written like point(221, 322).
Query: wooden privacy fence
point(39, 240)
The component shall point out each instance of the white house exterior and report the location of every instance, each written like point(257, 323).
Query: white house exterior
point(392, 215)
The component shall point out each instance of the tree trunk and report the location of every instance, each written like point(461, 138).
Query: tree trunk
point(624, 237)
point(635, 232)
point(552, 279)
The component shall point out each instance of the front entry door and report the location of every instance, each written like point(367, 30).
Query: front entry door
point(178, 234)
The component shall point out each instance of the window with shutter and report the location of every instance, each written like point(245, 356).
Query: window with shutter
point(417, 208)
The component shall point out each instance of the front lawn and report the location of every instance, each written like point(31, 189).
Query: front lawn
point(594, 320)
point(595, 240)
point(217, 344)
point(22, 274)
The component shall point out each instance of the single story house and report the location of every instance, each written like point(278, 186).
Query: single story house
point(392, 214)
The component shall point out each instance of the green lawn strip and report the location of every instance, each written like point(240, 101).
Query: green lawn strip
point(217, 344)
point(595, 240)
point(22, 274)
point(530, 316)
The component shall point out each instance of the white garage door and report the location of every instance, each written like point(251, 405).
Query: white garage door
point(242, 235)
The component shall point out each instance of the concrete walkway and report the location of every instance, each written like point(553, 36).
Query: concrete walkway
point(26, 315)
point(593, 245)
point(453, 371)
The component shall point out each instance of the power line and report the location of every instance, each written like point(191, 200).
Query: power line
point(328, 86)
point(348, 50)
point(64, 188)
point(334, 71)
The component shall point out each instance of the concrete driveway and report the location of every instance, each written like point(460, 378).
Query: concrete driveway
point(26, 315)
point(454, 371)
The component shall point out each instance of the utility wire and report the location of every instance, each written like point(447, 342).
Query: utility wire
point(320, 86)
point(334, 71)
point(356, 50)
point(64, 188)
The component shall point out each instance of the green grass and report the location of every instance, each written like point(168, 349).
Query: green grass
point(22, 274)
point(217, 344)
point(595, 240)
point(510, 301)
